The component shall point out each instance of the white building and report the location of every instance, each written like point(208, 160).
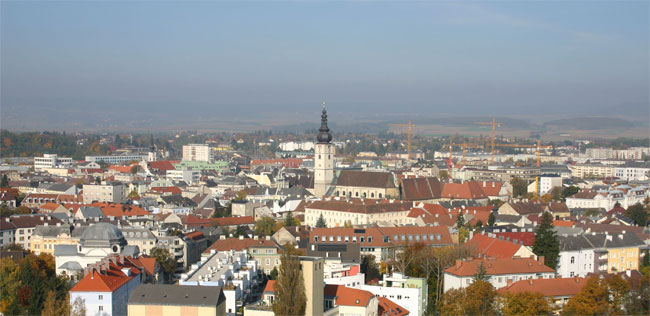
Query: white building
point(624, 195)
point(411, 293)
point(118, 159)
point(576, 257)
point(633, 171)
point(112, 192)
point(324, 152)
point(300, 146)
point(600, 153)
point(340, 273)
point(198, 152)
point(229, 269)
point(499, 271)
point(188, 176)
point(51, 161)
point(544, 184)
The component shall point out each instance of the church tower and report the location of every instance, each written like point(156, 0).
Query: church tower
point(323, 158)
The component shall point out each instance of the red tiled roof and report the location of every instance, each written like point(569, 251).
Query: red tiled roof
point(584, 194)
point(195, 235)
point(348, 296)
point(547, 287)
point(492, 247)
point(527, 237)
point(107, 280)
point(465, 190)
point(172, 190)
point(491, 188)
point(119, 210)
point(195, 221)
point(161, 165)
point(496, 266)
point(50, 206)
point(270, 287)
point(232, 221)
point(31, 220)
point(287, 162)
point(562, 223)
point(239, 244)
point(414, 189)
point(120, 169)
point(386, 307)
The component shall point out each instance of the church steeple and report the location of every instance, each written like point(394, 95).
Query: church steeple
point(324, 136)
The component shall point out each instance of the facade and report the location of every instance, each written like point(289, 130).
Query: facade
point(544, 184)
point(324, 152)
point(198, 152)
point(598, 253)
point(623, 195)
point(337, 212)
point(143, 238)
point(409, 292)
point(45, 238)
point(24, 227)
point(51, 161)
point(592, 170)
point(600, 153)
point(162, 299)
point(366, 184)
point(111, 192)
point(500, 271)
point(188, 176)
point(7, 232)
point(118, 159)
point(633, 171)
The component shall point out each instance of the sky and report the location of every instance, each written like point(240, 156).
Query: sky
point(459, 57)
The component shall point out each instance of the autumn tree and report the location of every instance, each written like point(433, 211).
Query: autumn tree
point(519, 187)
point(591, 300)
point(369, 267)
point(618, 294)
point(78, 307)
point(638, 214)
point(290, 297)
point(546, 242)
point(477, 299)
point(524, 304)
point(166, 260)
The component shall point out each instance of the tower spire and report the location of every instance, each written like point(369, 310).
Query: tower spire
point(324, 135)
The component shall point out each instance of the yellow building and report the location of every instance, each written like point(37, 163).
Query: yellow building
point(176, 300)
point(622, 259)
point(45, 237)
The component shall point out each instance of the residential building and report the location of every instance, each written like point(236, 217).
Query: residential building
point(25, 225)
point(111, 192)
point(188, 176)
point(558, 290)
point(592, 170)
point(600, 153)
point(544, 184)
point(499, 271)
point(164, 299)
point(120, 159)
point(607, 199)
point(46, 237)
point(490, 245)
point(337, 212)
point(409, 292)
point(7, 232)
point(51, 161)
point(599, 253)
point(143, 238)
point(264, 251)
point(633, 171)
point(198, 152)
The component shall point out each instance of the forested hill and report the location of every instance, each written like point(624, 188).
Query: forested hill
point(32, 144)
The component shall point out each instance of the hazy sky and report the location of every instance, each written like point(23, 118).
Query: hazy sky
point(420, 56)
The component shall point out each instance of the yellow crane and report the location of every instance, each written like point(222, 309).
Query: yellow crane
point(494, 125)
point(409, 127)
point(464, 146)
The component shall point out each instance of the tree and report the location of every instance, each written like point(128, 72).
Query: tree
point(134, 169)
point(460, 220)
point(546, 242)
point(321, 221)
point(638, 214)
point(49, 307)
point(289, 220)
point(264, 226)
point(492, 219)
point(290, 297)
point(479, 224)
point(369, 267)
point(524, 303)
point(519, 186)
point(477, 299)
point(481, 273)
point(569, 191)
point(241, 195)
point(556, 193)
point(133, 195)
point(78, 307)
point(348, 224)
point(618, 292)
point(591, 300)
point(443, 174)
point(166, 260)
point(274, 273)
point(240, 231)
point(4, 183)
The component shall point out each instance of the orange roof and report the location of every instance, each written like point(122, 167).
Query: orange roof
point(119, 210)
point(172, 190)
point(465, 190)
point(491, 188)
point(387, 307)
point(496, 266)
point(547, 287)
point(348, 296)
point(195, 235)
point(232, 221)
point(492, 247)
point(120, 169)
point(108, 280)
point(50, 206)
point(562, 223)
point(270, 287)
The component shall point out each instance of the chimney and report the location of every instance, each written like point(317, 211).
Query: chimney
point(459, 263)
point(509, 284)
point(540, 260)
point(608, 237)
point(46, 224)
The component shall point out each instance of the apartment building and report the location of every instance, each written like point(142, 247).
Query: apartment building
point(166, 299)
point(108, 191)
point(338, 212)
point(198, 152)
point(51, 161)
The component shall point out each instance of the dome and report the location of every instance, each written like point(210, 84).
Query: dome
point(102, 235)
point(324, 135)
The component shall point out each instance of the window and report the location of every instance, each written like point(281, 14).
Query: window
point(361, 239)
point(277, 261)
point(571, 274)
point(268, 261)
point(315, 238)
point(573, 259)
point(467, 281)
point(101, 297)
point(369, 239)
point(338, 238)
point(101, 308)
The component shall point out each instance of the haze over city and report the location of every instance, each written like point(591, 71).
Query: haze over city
point(274, 62)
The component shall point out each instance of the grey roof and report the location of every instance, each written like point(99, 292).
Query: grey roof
point(599, 241)
point(174, 295)
point(71, 265)
point(102, 235)
point(130, 251)
point(178, 200)
point(62, 216)
point(507, 218)
point(91, 211)
point(65, 250)
point(60, 187)
point(51, 231)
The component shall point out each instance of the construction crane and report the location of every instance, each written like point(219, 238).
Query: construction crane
point(464, 146)
point(494, 125)
point(409, 127)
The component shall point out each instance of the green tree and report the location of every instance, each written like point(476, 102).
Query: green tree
point(264, 226)
point(133, 195)
point(274, 273)
point(289, 220)
point(492, 219)
point(321, 222)
point(569, 191)
point(638, 214)
point(290, 297)
point(369, 267)
point(546, 242)
point(460, 220)
point(481, 273)
point(4, 183)
point(519, 187)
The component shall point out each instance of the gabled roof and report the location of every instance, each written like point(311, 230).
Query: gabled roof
point(31, 220)
point(465, 190)
point(232, 221)
point(119, 210)
point(492, 247)
point(499, 266)
point(548, 287)
point(346, 296)
point(108, 280)
point(386, 307)
point(172, 190)
point(527, 237)
point(177, 295)
point(414, 189)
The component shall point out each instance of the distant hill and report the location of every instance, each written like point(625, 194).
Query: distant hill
point(589, 123)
